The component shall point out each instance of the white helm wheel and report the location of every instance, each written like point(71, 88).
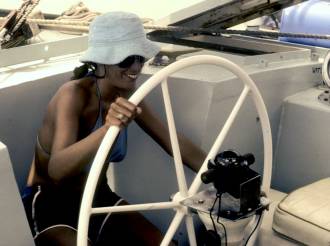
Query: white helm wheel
point(326, 70)
point(184, 192)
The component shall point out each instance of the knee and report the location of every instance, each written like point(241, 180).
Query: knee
point(59, 235)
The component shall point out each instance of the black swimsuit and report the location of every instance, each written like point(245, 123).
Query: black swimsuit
point(51, 206)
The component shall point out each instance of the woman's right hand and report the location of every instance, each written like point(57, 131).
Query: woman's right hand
point(121, 113)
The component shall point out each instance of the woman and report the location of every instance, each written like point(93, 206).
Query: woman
point(77, 118)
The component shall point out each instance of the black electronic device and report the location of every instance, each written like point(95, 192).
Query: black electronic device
point(231, 173)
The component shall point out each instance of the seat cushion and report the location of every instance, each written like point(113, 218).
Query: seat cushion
point(304, 214)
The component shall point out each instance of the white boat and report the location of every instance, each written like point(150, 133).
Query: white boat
point(293, 80)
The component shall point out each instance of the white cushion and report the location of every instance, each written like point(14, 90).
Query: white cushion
point(304, 215)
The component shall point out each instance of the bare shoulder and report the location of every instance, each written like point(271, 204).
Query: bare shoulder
point(75, 93)
point(76, 88)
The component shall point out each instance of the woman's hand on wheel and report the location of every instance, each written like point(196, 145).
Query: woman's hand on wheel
point(121, 113)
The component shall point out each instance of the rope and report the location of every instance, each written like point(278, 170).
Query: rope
point(60, 22)
point(65, 27)
point(26, 9)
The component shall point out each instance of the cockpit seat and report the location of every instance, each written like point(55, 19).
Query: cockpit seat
point(304, 214)
point(14, 227)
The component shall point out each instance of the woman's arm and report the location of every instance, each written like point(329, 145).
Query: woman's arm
point(192, 156)
point(68, 155)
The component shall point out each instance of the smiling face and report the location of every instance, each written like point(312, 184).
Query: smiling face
point(124, 78)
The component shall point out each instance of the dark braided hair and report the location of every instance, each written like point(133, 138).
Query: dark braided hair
point(83, 70)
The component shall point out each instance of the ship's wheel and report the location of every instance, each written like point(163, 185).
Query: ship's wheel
point(184, 191)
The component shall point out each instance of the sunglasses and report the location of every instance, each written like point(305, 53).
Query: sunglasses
point(129, 61)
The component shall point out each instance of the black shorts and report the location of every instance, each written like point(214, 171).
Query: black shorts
point(47, 207)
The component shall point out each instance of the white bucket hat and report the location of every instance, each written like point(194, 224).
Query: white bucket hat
point(116, 35)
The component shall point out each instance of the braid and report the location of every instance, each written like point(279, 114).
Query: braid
point(83, 70)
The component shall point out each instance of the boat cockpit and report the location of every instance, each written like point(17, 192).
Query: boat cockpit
point(279, 123)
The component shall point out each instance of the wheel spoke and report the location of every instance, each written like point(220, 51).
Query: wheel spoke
point(191, 230)
point(218, 142)
point(182, 183)
point(172, 228)
point(136, 207)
